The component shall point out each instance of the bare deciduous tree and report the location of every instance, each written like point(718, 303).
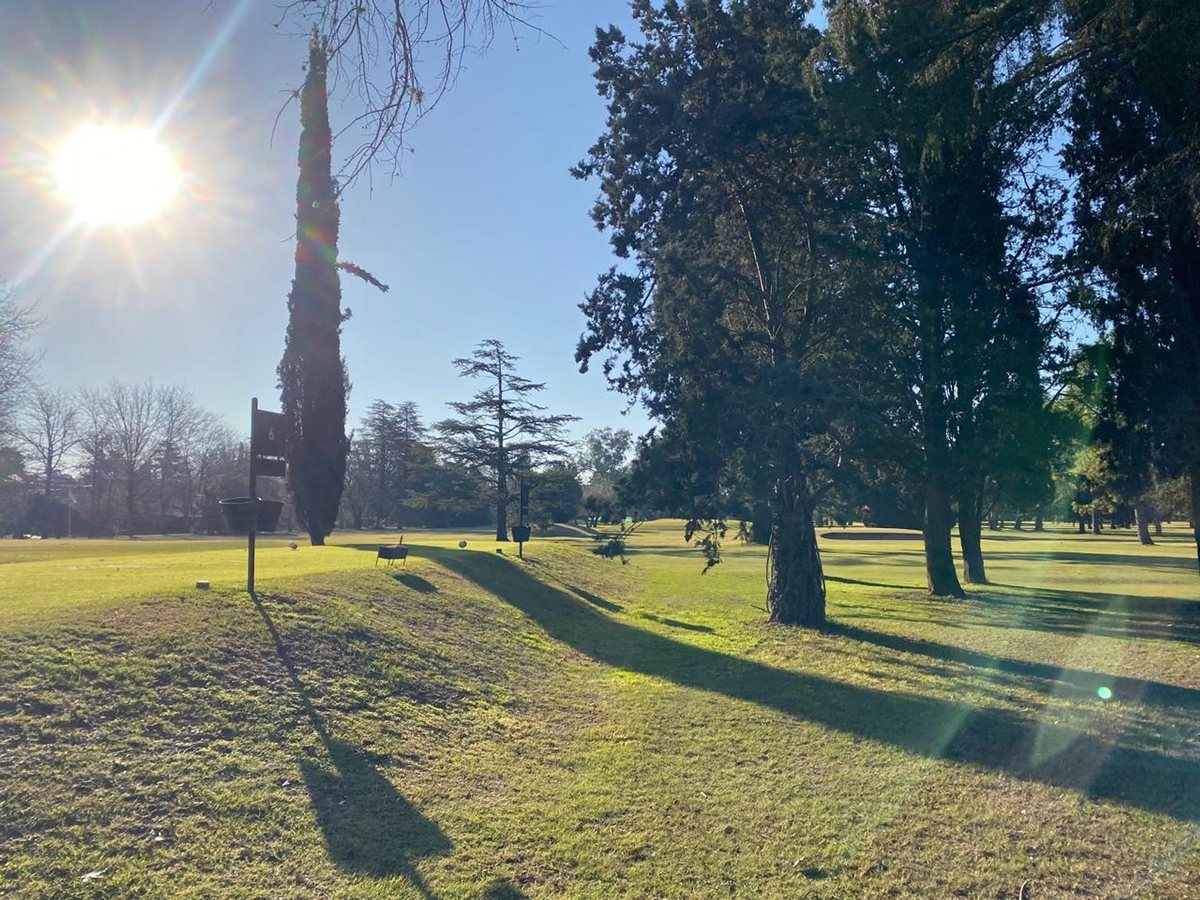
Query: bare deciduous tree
point(185, 430)
point(49, 430)
point(134, 417)
point(17, 324)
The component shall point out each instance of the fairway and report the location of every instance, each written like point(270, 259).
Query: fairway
point(44, 577)
point(474, 725)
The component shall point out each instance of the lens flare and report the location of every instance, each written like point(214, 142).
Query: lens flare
point(115, 175)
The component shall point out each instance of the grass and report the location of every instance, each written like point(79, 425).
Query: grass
point(477, 726)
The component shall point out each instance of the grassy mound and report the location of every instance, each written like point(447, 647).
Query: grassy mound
point(478, 726)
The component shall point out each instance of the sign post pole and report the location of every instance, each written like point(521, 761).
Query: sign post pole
point(253, 499)
point(524, 507)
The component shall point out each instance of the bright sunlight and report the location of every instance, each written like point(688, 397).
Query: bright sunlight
point(115, 175)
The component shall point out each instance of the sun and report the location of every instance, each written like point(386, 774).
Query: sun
point(115, 175)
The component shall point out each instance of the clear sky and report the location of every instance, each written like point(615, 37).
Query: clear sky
point(483, 235)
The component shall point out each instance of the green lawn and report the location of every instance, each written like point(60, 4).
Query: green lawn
point(477, 726)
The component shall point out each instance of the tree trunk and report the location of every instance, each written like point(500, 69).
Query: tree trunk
point(1194, 477)
point(795, 582)
point(1039, 523)
point(970, 516)
point(939, 556)
point(131, 504)
point(316, 538)
point(760, 527)
point(1082, 525)
point(1097, 523)
point(1141, 514)
point(501, 508)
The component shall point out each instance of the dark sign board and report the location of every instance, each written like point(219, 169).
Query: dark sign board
point(268, 434)
point(270, 467)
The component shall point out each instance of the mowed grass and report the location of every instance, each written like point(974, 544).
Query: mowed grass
point(478, 726)
point(60, 577)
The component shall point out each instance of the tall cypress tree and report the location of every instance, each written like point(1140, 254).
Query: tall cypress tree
point(311, 374)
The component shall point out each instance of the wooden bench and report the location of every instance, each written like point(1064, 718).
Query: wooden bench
point(392, 552)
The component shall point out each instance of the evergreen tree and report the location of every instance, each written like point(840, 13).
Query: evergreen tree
point(312, 375)
point(717, 182)
point(500, 432)
point(1135, 144)
point(929, 105)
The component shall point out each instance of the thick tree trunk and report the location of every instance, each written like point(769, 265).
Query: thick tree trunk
point(131, 506)
point(316, 537)
point(795, 582)
point(970, 515)
point(1082, 525)
point(1039, 523)
point(939, 556)
point(1194, 477)
point(1141, 514)
point(1157, 526)
point(1097, 522)
point(760, 527)
point(501, 508)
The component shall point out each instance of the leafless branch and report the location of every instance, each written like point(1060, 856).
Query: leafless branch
point(393, 60)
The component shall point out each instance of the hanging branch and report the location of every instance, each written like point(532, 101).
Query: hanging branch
point(393, 60)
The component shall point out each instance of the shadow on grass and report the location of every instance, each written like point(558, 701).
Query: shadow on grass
point(1097, 613)
point(935, 728)
point(1100, 557)
point(368, 826)
point(675, 623)
point(1050, 610)
point(836, 579)
point(502, 889)
point(417, 583)
point(594, 599)
point(1078, 682)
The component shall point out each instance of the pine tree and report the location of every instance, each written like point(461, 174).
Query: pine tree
point(500, 432)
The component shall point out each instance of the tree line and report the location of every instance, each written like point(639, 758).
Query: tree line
point(891, 254)
point(121, 459)
point(129, 459)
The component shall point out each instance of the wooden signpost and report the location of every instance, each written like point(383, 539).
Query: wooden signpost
point(268, 445)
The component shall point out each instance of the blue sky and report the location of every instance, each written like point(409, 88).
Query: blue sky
point(483, 235)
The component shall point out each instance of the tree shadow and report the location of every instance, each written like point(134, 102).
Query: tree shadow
point(1097, 613)
point(675, 623)
point(837, 579)
point(1101, 558)
point(417, 583)
point(927, 726)
point(368, 826)
point(1078, 682)
point(502, 889)
point(594, 599)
